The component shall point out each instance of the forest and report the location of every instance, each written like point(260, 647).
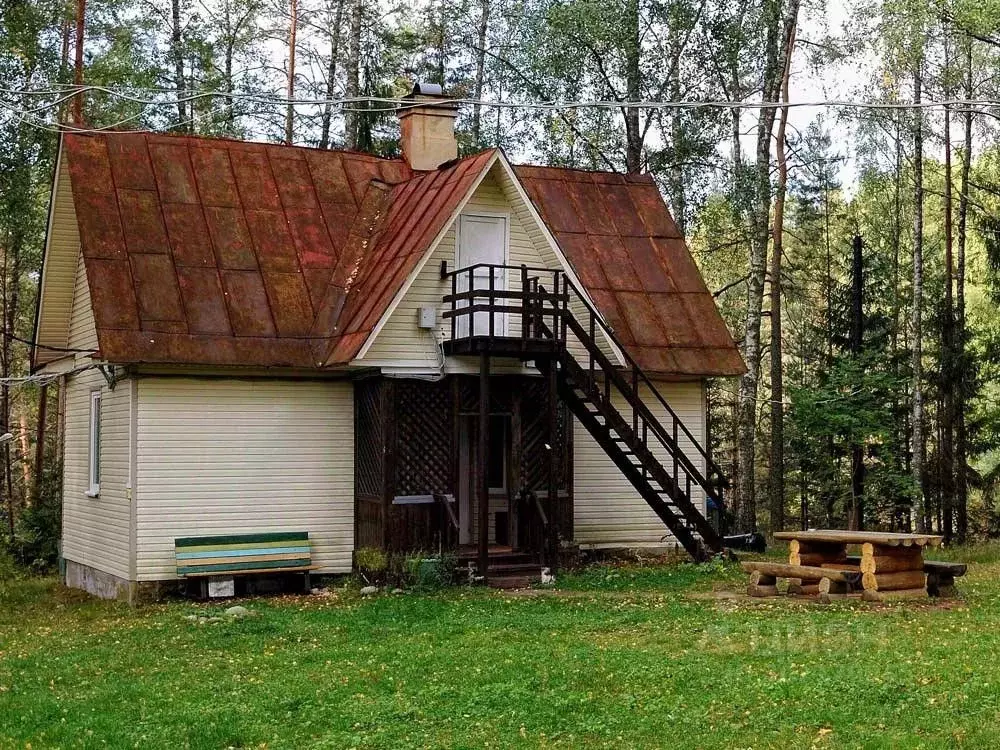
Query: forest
point(853, 245)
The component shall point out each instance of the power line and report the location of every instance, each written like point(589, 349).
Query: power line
point(62, 349)
point(45, 379)
point(65, 92)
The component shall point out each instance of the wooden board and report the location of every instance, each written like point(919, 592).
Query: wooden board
point(888, 596)
point(885, 538)
point(905, 579)
point(242, 554)
point(795, 586)
point(890, 563)
point(804, 572)
point(258, 570)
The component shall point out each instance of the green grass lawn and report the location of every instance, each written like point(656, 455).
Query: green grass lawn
point(619, 657)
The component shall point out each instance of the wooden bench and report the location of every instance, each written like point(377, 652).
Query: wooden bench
point(941, 576)
point(803, 579)
point(230, 555)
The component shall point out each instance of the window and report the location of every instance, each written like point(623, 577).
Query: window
point(496, 464)
point(94, 455)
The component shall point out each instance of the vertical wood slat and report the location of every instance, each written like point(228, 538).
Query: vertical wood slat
point(551, 540)
point(369, 469)
point(389, 451)
point(484, 447)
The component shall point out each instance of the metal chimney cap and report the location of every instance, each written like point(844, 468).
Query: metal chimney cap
point(428, 89)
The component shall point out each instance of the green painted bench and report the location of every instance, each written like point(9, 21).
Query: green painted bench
point(244, 554)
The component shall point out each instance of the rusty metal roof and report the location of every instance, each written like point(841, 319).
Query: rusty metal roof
point(220, 252)
point(208, 251)
point(623, 244)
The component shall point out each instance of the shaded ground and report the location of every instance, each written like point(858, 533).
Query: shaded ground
point(635, 657)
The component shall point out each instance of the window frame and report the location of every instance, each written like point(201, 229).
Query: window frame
point(504, 420)
point(94, 445)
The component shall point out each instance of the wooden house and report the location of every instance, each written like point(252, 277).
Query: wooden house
point(406, 354)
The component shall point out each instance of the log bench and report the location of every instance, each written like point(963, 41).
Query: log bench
point(941, 577)
point(802, 579)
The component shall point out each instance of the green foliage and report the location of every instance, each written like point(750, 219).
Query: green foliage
point(371, 564)
point(414, 570)
point(39, 526)
point(429, 572)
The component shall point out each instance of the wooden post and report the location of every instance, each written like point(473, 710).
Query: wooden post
point(43, 401)
point(387, 392)
point(551, 540)
point(483, 476)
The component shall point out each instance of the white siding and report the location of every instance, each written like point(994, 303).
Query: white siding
point(82, 326)
point(60, 272)
point(96, 530)
point(400, 343)
point(217, 455)
point(607, 509)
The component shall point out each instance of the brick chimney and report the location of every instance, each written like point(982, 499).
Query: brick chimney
point(427, 123)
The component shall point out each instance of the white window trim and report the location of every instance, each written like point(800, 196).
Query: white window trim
point(93, 446)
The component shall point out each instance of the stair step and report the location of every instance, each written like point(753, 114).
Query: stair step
point(511, 568)
point(512, 581)
point(503, 558)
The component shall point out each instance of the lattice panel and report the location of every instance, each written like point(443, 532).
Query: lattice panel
point(503, 389)
point(424, 433)
point(368, 452)
point(535, 434)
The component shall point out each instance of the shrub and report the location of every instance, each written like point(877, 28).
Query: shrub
point(372, 564)
point(38, 526)
point(430, 571)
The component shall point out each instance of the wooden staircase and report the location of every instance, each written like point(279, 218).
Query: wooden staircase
point(508, 568)
point(565, 336)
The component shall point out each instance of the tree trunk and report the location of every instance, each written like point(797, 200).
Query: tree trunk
point(480, 55)
point(678, 199)
point(64, 34)
point(177, 53)
point(776, 477)
point(948, 371)
point(759, 236)
point(39, 462)
point(353, 89)
point(961, 383)
point(900, 502)
point(633, 78)
point(916, 315)
point(331, 77)
point(293, 26)
point(856, 517)
point(12, 261)
point(81, 15)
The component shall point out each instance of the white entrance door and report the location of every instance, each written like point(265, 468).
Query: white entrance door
point(482, 239)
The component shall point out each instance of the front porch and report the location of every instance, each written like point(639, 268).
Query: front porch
point(438, 468)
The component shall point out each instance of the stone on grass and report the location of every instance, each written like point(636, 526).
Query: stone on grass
point(369, 590)
point(238, 612)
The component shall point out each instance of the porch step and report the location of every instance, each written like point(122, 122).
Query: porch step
point(499, 558)
point(505, 569)
point(511, 581)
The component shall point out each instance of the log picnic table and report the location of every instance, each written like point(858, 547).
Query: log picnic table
point(891, 565)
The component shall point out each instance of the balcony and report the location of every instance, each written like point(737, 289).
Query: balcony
point(506, 311)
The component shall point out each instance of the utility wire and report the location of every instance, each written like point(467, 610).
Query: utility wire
point(63, 349)
point(65, 92)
